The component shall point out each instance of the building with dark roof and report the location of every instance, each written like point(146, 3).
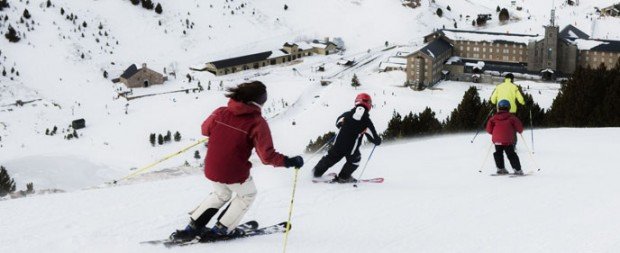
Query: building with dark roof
point(133, 77)
point(289, 52)
point(553, 54)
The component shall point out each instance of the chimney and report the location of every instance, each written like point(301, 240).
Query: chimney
point(326, 39)
point(143, 65)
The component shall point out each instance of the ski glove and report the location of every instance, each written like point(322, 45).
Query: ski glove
point(378, 141)
point(296, 162)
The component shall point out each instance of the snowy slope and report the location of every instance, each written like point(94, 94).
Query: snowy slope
point(52, 69)
point(433, 200)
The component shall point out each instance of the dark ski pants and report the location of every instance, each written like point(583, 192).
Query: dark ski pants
point(512, 156)
point(334, 157)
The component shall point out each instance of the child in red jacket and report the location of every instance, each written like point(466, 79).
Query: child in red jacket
point(502, 126)
point(234, 131)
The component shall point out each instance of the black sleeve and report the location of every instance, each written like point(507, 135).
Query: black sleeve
point(340, 120)
point(371, 127)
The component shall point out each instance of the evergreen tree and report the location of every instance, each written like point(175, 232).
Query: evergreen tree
point(7, 184)
point(498, 9)
point(48, 3)
point(197, 154)
point(158, 9)
point(11, 35)
point(168, 137)
point(355, 82)
point(504, 15)
point(177, 136)
point(84, 24)
point(469, 114)
point(152, 139)
point(427, 123)
point(62, 11)
point(314, 146)
point(26, 14)
point(4, 4)
point(393, 130)
point(29, 188)
point(147, 4)
point(105, 74)
point(439, 12)
point(135, 2)
point(160, 139)
point(285, 7)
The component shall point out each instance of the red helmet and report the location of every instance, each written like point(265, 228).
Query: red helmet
point(364, 100)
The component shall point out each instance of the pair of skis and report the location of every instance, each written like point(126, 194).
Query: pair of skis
point(249, 229)
point(330, 179)
point(512, 174)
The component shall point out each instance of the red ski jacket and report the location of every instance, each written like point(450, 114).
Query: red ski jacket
point(233, 132)
point(503, 126)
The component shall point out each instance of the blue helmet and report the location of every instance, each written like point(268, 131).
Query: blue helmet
point(503, 105)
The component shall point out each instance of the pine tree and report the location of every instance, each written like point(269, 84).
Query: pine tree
point(320, 142)
point(393, 130)
point(4, 4)
point(26, 14)
point(135, 2)
point(84, 24)
point(29, 188)
point(504, 15)
point(355, 82)
point(168, 137)
point(439, 12)
point(285, 7)
point(469, 114)
point(158, 9)
point(7, 184)
point(48, 3)
point(62, 11)
point(152, 139)
point(177, 136)
point(197, 154)
point(11, 35)
point(147, 4)
point(160, 139)
point(105, 74)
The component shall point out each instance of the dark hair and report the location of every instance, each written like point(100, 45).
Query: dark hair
point(254, 91)
point(511, 76)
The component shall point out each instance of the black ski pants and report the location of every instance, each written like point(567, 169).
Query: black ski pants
point(334, 157)
point(512, 156)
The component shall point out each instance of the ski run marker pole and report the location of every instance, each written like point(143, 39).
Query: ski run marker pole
point(138, 171)
point(529, 151)
point(485, 157)
point(290, 210)
point(532, 130)
point(483, 123)
point(367, 160)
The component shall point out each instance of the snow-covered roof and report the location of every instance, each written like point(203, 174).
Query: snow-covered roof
point(385, 65)
point(453, 59)
point(397, 60)
point(478, 36)
point(479, 65)
point(598, 45)
point(583, 44)
point(278, 53)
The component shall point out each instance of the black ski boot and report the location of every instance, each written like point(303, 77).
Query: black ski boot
point(345, 180)
point(502, 171)
point(185, 235)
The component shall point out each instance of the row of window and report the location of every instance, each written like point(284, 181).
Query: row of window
point(490, 44)
point(484, 50)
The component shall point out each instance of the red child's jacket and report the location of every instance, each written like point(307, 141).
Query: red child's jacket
point(503, 126)
point(233, 132)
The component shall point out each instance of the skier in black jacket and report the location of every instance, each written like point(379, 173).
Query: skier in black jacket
point(353, 125)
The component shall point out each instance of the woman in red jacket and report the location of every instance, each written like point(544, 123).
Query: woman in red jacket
point(503, 126)
point(233, 132)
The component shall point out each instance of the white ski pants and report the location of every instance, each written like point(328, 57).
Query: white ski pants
point(221, 194)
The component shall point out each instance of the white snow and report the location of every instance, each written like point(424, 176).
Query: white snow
point(583, 44)
point(478, 37)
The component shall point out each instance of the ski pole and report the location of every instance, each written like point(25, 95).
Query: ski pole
point(138, 171)
point(532, 130)
point(367, 160)
point(529, 151)
point(290, 210)
point(313, 155)
point(483, 123)
point(485, 158)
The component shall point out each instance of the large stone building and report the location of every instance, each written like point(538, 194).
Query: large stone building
point(143, 77)
point(474, 55)
point(289, 52)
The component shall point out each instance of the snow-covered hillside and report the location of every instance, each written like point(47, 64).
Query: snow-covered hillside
point(433, 200)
